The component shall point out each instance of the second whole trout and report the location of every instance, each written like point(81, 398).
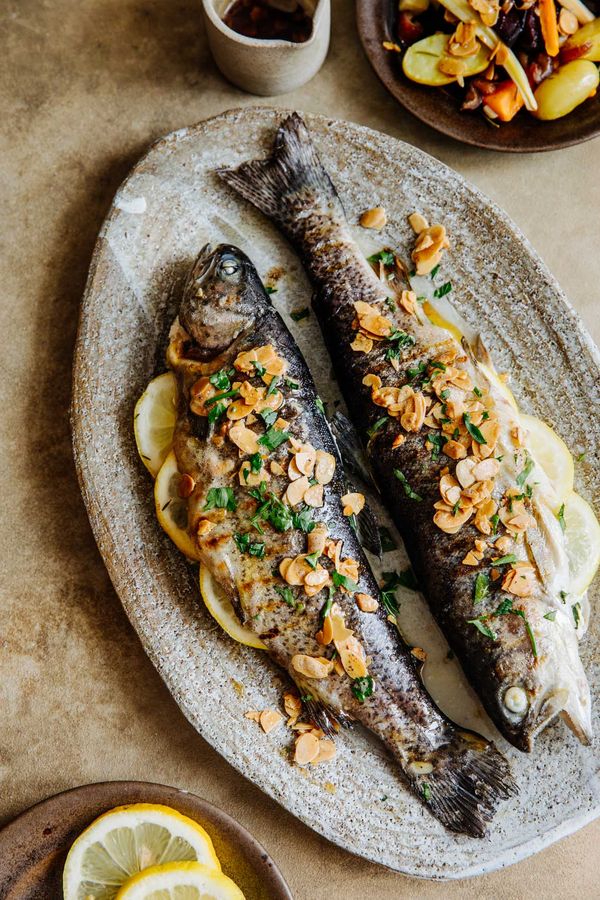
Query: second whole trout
point(447, 454)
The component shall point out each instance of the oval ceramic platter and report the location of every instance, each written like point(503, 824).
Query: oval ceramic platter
point(169, 206)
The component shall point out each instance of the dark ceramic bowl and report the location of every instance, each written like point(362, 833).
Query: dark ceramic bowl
point(439, 109)
point(33, 847)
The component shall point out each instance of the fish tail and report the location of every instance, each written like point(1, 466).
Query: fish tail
point(470, 778)
point(291, 178)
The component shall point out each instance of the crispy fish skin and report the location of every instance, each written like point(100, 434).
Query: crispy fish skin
point(293, 189)
point(226, 312)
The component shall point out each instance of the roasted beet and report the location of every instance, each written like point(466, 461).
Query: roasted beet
point(541, 67)
point(530, 39)
point(472, 98)
point(509, 26)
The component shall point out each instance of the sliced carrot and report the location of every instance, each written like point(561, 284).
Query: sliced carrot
point(506, 101)
point(549, 25)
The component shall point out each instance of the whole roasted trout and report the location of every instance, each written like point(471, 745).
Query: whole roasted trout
point(447, 453)
point(265, 486)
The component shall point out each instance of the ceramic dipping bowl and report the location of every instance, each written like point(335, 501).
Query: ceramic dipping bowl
point(266, 67)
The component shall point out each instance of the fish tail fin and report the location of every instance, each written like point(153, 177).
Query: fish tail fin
point(293, 174)
point(469, 779)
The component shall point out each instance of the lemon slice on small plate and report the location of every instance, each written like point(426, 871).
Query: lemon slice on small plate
point(126, 840)
point(171, 509)
point(582, 533)
point(154, 421)
point(180, 881)
point(221, 609)
point(552, 454)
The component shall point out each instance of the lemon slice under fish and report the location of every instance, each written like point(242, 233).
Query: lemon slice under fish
point(171, 509)
point(180, 881)
point(154, 421)
point(582, 533)
point(221, 609)
point(128, 839)
point(552, 454)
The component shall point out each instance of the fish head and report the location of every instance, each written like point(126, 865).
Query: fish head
point(221, 299)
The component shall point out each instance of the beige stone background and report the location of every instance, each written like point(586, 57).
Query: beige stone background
point(85, 85)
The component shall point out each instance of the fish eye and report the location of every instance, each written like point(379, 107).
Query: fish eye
point(229, 266)
point(515, 700)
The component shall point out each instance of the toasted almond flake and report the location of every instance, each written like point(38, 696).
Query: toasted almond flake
point(305, 460)
point(325, 635)
point(454, 450)
point(362, 343)
point(282, 424)
point(353, 504)
point(251, 419)
point(373, 218)
point(519, 524)
point(248, 478)
point(480, 545)
point(201, 391)
point(293, 472)
point(349, 568)
point(398, 440)
point(503, 544)
point(366, 603)
point(449, 489)
point(275, 468)
point(270, 719)
point(371, 380)
point(408, 302)
point(417, 222)
point(302, 727)
point(314, 496)
point(253, 715)
point(315, 540)
point(238, 410)
point(419, 653)
point(297, 571)
point(327, 751)
point(352, 656)
point(244, 438)
point(518, 435)
point(186, 486)
point(324, 467)
point(204, 526)
point(414, 413)
point(316, 580)
point(292, 704)
point(284, 566)
point(520, 579)
point(450, 522)
point(486, 469)
point(307, 749)
point(567, 22)
point(250, 395)
point(375, 324)
point(471, 559)
point(338, 624)
point(312, 666)
point(296, 490)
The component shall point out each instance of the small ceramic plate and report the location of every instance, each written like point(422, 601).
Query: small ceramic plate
point(170, 205)
point(33, 847)
point(437, 108)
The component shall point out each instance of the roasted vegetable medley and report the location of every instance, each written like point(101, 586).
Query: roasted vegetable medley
point(499, 56)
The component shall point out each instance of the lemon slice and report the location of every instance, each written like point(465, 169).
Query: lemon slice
point(552, 454)
point(128, 839)
point(180, 881)
point(582, 533)
point(221, 609)
point(154, 421)
point(171, 509)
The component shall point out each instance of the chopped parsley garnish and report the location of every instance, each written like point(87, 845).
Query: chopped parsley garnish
point(279, 515)
point(273, 438)
point(362, 688)
point(268, 416)
point(434, 271)
point(270, 289)
point(387, 542)
point(380, 423)
point(477, 392)
point(312, 559)
point(443, 289)
point(384, 256)
point(473, 429)
point(481, 589)
point(391, 305)
point(293, 385)
point(303, 520)
point(483, 628)
point(437, 441)
point(256, 462)
point(221, 379)
point(494, 522)
point(560, 515)
point(444, 394)
point(391, 582)
point(401, 339)
point(412, 495)
point(525, 472)
point(221, 396)
point(417, 372)
point(563, 596)
point(505, 608)
point(343, 581)
point(245, 544)
point(272, 385)
point(505, 560)
point(426, 791)
point(221, 498)
point(320, 406)
point(299, 314)
point(326, 608)
point(580, 456)
point(286, 594)
point(259, 369)
point(576, 610)
point(551, 616)
point(215, 412)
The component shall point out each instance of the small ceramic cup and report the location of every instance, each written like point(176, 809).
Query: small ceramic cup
point(267, 67)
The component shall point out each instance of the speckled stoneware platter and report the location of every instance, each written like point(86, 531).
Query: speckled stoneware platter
point(169, 206)
point(33, 847)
